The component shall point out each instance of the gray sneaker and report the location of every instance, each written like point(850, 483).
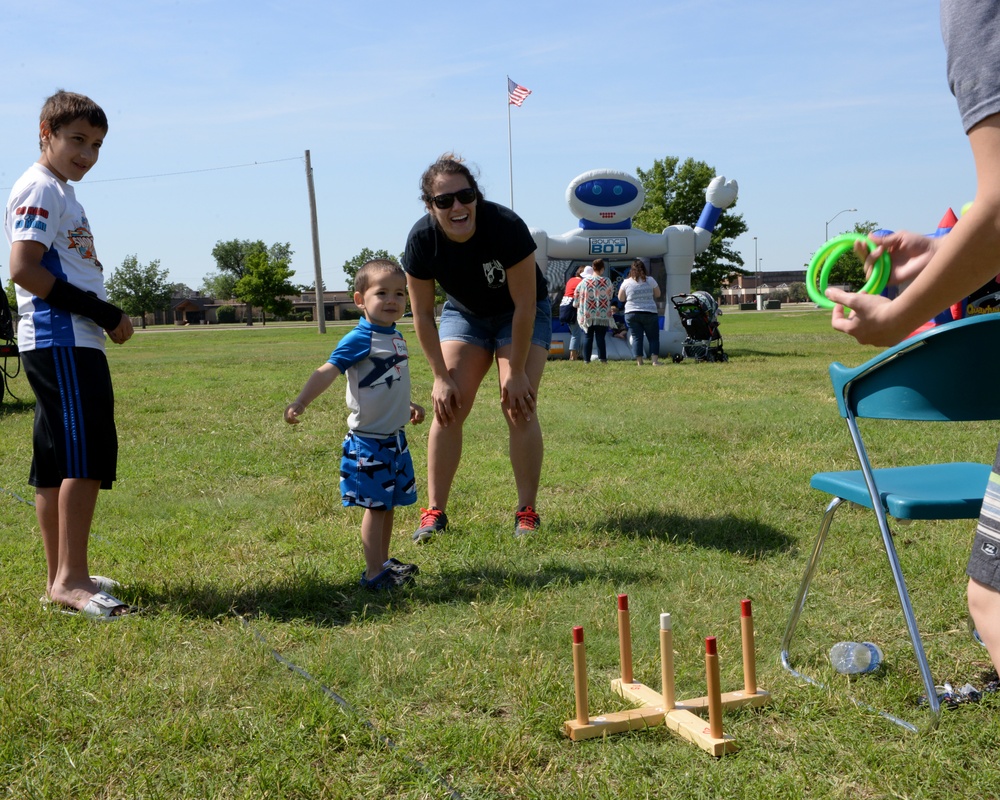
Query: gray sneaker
point(432, 520)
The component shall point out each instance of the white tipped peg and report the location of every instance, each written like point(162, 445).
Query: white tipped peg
point(667, 662)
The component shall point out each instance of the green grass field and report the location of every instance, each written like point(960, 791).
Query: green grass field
point(686, 487)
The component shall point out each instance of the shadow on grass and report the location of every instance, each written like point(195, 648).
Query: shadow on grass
point(751, 352)
point(736, 535)
point(11, 406)
point(309, 597)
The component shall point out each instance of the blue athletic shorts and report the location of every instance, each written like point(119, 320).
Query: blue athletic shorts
point(377, 473)
point(74, 434)
point(492, 333)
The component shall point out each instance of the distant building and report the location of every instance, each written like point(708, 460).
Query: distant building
point(746, 288)
point(200, 310)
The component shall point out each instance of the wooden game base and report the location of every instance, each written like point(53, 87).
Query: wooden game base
point(635, 719)
point(696, 730)
point(640, 693)
point(683, 718)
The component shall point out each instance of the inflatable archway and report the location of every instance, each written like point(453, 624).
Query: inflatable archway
point(605, 201)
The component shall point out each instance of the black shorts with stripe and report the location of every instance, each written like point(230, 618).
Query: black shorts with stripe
point(74, 434)
point(984, 562)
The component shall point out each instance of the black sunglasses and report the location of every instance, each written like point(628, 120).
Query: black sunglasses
point(447, 200)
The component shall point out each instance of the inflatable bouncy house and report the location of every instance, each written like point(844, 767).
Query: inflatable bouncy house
point(604, 201)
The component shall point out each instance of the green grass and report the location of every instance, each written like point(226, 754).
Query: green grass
point(686, 487)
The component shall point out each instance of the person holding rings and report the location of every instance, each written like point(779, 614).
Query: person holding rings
point(497, 308)
point(942, 270)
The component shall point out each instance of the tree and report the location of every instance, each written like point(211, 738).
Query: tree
point(849, 269)
point(797, 293)
point(676, 196)
point(7, 317)
point(219, 285)
point(352, 266)
point(181, 290)
point(11, 294)
point(233, 257)
point(139, 289)
point(265, 283)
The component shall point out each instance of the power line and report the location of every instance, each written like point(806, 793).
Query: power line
point(385, 740)
point(184, 172)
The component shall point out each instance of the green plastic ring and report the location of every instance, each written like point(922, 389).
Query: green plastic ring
point(818, 273)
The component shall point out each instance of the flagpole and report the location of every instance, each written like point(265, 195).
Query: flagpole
point(510, 156)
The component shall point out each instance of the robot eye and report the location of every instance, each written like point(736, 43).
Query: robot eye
point(617, 190)
point(597, 188)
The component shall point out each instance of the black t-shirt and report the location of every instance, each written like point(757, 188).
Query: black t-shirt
point(474, 273)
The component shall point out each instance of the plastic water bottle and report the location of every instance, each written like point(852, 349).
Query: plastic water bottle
point(855, 658)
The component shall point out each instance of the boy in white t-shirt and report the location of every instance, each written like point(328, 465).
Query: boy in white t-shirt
point(64, 316)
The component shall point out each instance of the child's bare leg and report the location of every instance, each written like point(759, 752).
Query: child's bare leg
point(376, 530)
point(64, 515)
point(984, 606)
point(47, 513)
point(386, 534)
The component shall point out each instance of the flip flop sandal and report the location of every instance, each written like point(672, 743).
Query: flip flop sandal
point(103, 585)
point(104, 607)
point(101, 606)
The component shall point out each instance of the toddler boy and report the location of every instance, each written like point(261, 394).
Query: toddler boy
point(376, 471)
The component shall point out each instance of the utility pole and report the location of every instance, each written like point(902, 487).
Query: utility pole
point(317, 264)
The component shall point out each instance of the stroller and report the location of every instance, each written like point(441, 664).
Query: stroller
point(699, 315)
point(8, 347)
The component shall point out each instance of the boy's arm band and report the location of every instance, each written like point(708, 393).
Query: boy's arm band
point(71, 298)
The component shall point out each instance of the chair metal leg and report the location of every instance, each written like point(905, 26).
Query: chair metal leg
point(911, 621)
point(800, 599)
point(918, 649)
point(897, 570)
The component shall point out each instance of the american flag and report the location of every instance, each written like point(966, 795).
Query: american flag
point(516, 93)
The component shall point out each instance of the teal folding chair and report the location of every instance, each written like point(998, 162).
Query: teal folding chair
point(946, 374)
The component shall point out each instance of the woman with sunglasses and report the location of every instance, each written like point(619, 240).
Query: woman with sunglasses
point(497, 307)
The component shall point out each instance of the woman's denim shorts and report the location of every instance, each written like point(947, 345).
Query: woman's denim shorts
point(492, 333)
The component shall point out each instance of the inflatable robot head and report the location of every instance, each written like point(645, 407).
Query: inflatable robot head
point(605, 199)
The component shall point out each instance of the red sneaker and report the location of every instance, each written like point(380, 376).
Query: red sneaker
point(432, 520)
point(526, 521)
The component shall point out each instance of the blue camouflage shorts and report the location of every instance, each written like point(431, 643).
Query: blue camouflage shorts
point(377, 473)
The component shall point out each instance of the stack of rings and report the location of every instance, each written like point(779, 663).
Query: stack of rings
point(818, 274)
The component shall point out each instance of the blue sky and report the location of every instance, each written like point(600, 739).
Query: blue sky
point(812, 107)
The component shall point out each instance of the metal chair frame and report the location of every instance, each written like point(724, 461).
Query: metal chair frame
point(925, 378)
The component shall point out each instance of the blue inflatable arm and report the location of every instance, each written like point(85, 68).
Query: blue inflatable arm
point(719, 195)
